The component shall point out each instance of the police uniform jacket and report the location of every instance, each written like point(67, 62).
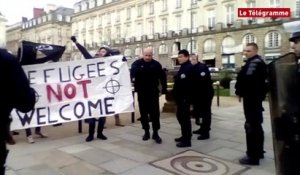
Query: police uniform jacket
point(146, 77)
point(202, 83)
point(183, 81)
point(251, 80)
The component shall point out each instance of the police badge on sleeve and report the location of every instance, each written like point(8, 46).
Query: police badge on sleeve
point(182, 76)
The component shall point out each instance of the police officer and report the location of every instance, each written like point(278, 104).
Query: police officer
point(251, 86)
point(183, 98)
point(15, 93)
point(203, 93)
point(296, 43)
point(146, 74)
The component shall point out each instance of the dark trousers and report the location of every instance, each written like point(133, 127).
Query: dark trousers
point(92, 125)
point(253, 127)
point(184, 120)
point(202, 109)
point(149, 108)
point(29, 133)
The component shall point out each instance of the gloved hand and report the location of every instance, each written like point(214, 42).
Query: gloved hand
point(73, 38)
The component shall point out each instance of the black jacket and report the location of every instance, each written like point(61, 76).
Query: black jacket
point(183, 82)
point(146, 77)
point(251, 80)
point(15, 89)
point(202, 83)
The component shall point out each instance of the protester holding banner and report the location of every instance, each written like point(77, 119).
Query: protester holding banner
point(102, 52)
point(16, 93)
point(147, 74)
point(251, 86)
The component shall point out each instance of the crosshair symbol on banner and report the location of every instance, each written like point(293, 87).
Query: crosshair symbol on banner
point(37, 96)
point(112, 86)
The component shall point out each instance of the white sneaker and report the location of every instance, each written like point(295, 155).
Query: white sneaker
point(30, 139)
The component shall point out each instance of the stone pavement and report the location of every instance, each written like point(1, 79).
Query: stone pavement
point(124, 153)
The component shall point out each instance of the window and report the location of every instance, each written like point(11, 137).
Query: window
point(194, 47)
point(118, 32)
point(251, 4)
point(138, 51)
point(275, 3)
point(128, 13)
point(211, 18)
point(249, 38)
point(209, 46)
point(39, 20)
point(273, 40)
point(164, 5)
point(164, 24)
point(178, 23)
point(34, 22)
point(230, 14)
point(118, 16)
point(163, 49)
point(83, 5)
point(59, 17)
point(49, 17)
point(91, 3)
point(99, 2)
point(151, 27)
point(194, 20)
point(68, 18)
point(297, 8)
point(151, 8)
point(178, 4)
point(194, 1)
point(108, 18)
point(100, 20)
point(140, 10)
point(139, 31)
point(44, 18)
point(127, 32)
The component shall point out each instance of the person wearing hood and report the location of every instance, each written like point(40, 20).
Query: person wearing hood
point(102, 52)
point(251, 86)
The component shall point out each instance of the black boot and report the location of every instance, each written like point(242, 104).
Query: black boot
point(146, 135)
point(156, 137)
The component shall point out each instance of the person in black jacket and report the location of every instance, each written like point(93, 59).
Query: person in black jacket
point(146, 74)
point(15, 93)
point(102, 52)
point(251, 86)
point(203, 93)
point(182, 93)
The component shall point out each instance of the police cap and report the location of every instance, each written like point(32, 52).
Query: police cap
point(295, 36)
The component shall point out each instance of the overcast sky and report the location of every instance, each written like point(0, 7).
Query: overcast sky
point(14, 10)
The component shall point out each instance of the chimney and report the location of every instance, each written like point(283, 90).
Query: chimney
point(38, 12)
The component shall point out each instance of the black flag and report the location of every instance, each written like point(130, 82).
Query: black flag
point(36, 53)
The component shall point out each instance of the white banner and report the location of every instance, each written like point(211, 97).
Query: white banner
point(76, 90)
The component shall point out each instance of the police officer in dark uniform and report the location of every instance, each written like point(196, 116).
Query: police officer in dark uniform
point(251, 86)
point(182, 93)
point(146, 74)
point(15, 93)
point(203, 93)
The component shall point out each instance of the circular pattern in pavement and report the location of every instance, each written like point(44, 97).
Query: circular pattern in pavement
point(192, 165)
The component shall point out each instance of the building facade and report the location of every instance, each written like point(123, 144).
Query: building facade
point(53, 27)
point(209, 28)
point(13, 37)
